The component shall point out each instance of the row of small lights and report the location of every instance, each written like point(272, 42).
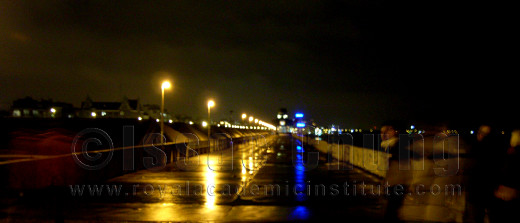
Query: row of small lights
point(264, 125)
point(341, 130)
point(251, 119)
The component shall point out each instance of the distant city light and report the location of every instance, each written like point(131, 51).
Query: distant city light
point(139, 118)
point(412, 127)
point(157, 120)
point(318, 131)
point(190, 122)
point(298, 115)
point(170, 121)
point(300, 125)
point(103, 113)
point(93, 114)
point(298, 148)
point(471, 132)
point(204, 124)
point(251, 118)
point(285, 116)
point(53, 110)
point(279, 116)
point(244, 116)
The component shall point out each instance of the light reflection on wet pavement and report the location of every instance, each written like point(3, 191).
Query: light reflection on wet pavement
point(215, 192)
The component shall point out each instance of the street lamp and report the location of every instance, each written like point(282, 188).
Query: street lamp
point(164, 85)
point(211, 103)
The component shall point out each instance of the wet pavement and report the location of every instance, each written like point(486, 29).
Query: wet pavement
point(266, 180)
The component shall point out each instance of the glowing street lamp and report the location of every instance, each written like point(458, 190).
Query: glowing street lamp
point(164, 85)
point(251, 118)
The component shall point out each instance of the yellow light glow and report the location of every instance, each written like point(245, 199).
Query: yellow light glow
point(53, 110)
point(93, 114)
point(256, 120)
point(211, 103)
point(244, 116)
point(204, 124)
point(166, 85)
point(210, 195)
point(251, 118)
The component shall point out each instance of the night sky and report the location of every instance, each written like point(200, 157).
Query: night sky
point(353, 63)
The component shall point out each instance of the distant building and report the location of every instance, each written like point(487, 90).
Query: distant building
point(44, 108)
point(152, 111)
point(126, 108)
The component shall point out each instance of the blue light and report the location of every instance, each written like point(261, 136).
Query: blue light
point(298, 148)
point(298, 115)
point(300, 213)
point(300, 125)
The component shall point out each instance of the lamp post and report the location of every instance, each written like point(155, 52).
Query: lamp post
point(211, 103)
point(164, 85)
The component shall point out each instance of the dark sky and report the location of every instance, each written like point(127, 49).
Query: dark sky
point(354, 63)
